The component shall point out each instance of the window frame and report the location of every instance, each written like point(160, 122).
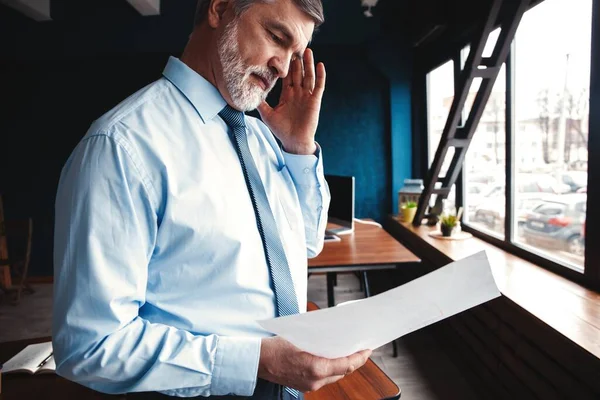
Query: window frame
point(591, 275)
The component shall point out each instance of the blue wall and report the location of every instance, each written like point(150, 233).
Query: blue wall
point(353, 127)
point(55, 88)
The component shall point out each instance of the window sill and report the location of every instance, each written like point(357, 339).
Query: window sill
point(567, 307)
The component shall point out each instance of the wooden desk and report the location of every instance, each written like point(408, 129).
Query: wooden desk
point(367, 248)
point(367, 383)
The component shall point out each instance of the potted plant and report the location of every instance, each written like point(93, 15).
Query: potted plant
point(448, 223)
point(409, 209)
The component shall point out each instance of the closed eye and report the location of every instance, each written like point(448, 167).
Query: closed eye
point(275, 38)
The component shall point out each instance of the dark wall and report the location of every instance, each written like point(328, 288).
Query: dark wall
point(354, 128)
point(47, 106)
point(50, 96)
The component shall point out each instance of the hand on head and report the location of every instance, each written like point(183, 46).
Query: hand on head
point(294, 120)
point(283, 363)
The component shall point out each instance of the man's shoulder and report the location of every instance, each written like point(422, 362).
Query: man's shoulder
point(131, 108)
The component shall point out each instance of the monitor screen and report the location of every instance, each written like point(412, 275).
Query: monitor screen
point(341, 208)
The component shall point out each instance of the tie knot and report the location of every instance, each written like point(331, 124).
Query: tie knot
point(232, 117)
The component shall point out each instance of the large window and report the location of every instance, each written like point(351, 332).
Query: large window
point(539, 121)
point(552, 81)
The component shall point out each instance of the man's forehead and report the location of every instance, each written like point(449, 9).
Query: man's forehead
point(303, 35)
point(288, 17)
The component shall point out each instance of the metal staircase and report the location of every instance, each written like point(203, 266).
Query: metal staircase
point(454, 135)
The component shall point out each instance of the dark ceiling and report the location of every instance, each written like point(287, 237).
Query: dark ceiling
point(108, 22)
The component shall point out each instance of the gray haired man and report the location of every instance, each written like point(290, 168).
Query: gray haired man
point(180, 221)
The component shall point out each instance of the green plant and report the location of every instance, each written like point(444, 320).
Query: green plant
point(411, 204)
point(449, 220)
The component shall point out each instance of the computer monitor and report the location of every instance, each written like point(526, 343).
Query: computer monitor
point(341, 208)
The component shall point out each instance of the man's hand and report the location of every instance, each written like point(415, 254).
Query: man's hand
point(283, 363)
point(294, 120)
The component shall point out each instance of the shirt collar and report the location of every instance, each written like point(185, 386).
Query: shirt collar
point(205, 98)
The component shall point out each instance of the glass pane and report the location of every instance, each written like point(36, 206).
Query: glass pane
point(440, 93)
point(487, 52)
point(552, 73)
point(450, 200)
point(485, 177)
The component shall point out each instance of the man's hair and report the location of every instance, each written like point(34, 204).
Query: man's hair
point(313, 8)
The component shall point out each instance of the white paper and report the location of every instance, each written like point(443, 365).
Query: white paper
point(372, 322)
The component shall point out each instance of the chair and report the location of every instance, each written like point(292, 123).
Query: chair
point(15, 235)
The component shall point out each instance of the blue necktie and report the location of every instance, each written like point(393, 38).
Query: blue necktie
point(285, 295)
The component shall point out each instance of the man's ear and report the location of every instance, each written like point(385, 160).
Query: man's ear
point(216, 12)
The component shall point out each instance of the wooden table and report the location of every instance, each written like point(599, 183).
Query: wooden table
point(367, 383)
point(368, 248)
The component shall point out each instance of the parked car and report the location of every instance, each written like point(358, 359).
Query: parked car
point(531, 189)
point(491, 212)
point(576, 180)
point(557, 223)
point(546, 183)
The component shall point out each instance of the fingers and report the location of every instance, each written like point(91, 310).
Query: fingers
point(283, 363)
point(320, 81)
point(296, 72)
point(287, 80)
point(326, 371)
point(347, 365)
point(309, 70)
point(323, 382)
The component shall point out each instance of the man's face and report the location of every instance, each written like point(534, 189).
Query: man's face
point(256, 49)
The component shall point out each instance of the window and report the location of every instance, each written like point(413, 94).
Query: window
point(552, 80)
point(485, 161)
point(485, 164)
point(440, 93)
point(539, 120)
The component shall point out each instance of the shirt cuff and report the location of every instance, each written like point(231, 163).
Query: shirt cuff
point(304, 169)
point(236, 366)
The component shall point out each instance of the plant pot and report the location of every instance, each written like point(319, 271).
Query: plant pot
point(408, 214)
point(446, 230)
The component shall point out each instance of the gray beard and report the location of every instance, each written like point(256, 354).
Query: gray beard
point(245, 95)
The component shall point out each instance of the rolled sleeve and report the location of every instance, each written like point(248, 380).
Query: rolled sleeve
point(236, 366)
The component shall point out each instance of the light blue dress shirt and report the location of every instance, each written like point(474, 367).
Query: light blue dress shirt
point(159, 269)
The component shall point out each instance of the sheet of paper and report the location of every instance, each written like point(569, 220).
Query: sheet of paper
point(372, 322)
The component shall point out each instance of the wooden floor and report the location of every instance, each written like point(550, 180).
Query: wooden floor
point(422, 369)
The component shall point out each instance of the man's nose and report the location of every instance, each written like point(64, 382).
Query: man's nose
point(280, 66)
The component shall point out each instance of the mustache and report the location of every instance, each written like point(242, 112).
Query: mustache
point(265, 74)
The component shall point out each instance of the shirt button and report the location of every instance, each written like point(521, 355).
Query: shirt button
point(306, 170)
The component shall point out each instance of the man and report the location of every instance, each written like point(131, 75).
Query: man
point(180, 222)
